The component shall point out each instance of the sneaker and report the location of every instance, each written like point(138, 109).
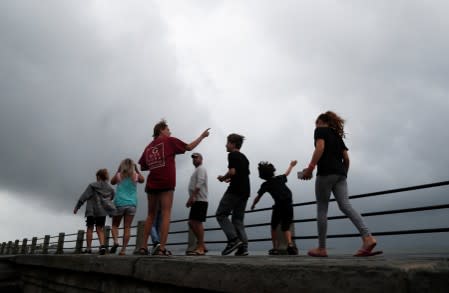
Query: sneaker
point(232, 245)
point(292, 249)
point(242, 250)
point(102, 250)
point(113, 248)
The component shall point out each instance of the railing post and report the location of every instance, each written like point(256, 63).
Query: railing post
point(9, 247)
point(60, 247)
point(46, 244)
point(79, 241)
point(107, 235)
point(3, 248)
point(23, 250)
point(16, 247)
point(33, 245)
point(139, 236)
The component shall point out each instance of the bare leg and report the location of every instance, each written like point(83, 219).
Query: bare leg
point(114, 229)
point(153, 200)
point(274, 239)
point(100, 233)
point(166, 200)
point(198, 230)
point(89, 236)
point(128, 219)
point(288, 237)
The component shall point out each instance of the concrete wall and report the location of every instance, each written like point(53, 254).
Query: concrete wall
point(92, 273)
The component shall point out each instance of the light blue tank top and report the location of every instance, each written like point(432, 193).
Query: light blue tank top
point(126, 194)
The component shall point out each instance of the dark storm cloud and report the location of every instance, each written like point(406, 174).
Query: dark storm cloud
point(79, 94)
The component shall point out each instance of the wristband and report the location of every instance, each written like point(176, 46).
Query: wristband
point(312, 166)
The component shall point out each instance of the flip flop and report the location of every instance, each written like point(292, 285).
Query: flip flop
point(365, 252)
point(196, 252)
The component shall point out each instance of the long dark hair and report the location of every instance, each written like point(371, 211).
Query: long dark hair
point(334, 121)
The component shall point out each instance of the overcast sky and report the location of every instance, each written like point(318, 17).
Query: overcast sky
point(83, 85)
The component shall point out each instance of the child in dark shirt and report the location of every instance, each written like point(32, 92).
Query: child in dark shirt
point(283, 208)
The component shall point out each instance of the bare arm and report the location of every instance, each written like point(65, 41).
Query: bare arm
point(114, 179)
point(317, 153)
point(346, 160)
point(256, 200)
point(290, 167)
point(192, 197)
point(226, 177)
point(197, 141)
point(140, 177)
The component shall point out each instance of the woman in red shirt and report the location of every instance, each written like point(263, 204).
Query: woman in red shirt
point(159, 158)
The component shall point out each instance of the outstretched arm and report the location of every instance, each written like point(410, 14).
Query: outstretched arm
point(85, 196)
point(256, 200)
point(197, 141)
point(290, 167)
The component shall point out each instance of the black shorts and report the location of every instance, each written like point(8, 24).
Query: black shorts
point(97, 221)
point(282, 214)
point(198, 211)
point(155, 191)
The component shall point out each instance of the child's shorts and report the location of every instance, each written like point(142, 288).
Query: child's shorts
point(126, 211)
point(97, 221)
point(282, 214)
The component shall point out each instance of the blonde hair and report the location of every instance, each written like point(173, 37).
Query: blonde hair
point(127, 168)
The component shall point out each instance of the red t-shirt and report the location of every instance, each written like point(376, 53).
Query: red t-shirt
point(159, 158)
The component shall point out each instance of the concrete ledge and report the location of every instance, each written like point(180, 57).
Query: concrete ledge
point(82, 273)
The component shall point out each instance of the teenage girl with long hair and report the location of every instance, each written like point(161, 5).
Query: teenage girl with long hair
point(331, 157)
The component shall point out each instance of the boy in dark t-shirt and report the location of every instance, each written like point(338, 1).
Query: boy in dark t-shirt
point(282, 209)
point(235, 198)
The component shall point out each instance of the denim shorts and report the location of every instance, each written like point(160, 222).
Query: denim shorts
point(125, 211)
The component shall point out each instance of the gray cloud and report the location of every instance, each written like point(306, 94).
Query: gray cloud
point(82, 87)
point(78, 95)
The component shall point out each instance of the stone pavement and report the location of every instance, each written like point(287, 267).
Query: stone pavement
point(343, 273)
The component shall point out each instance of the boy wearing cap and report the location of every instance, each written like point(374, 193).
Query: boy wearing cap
point(197, 202)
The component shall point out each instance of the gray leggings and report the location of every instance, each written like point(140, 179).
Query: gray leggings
point(336, 184)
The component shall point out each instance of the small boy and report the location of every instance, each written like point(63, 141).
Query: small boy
point(283, 208)
point(95, 213)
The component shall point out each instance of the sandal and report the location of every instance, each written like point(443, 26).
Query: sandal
point(273, 251)
point(143, 251)
point(161, 252)
point(196, 252)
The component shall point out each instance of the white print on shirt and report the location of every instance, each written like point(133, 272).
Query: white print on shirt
point(156, 157)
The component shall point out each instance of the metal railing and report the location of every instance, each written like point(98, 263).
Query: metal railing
point(48, 244)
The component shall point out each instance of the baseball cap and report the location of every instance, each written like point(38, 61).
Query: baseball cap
point(194, 155)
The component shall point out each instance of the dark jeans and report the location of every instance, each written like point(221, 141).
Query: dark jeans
point(235, 204)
